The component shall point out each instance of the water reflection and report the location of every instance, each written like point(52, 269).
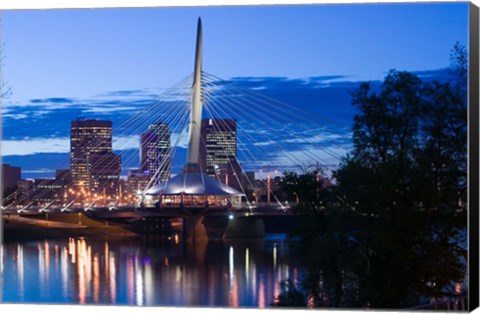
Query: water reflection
point(20, 270)
point(146, 271)
point(112, 282)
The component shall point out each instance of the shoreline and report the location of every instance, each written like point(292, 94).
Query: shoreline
point(16, 228)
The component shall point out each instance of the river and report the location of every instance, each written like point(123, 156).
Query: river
point(146, 271)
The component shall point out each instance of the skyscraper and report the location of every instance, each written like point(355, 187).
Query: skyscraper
point(87, 137)
point(218, 146)
point(155, 153)
point(104, 175)
point(137, 180)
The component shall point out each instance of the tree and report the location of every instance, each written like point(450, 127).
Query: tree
point(392, 229)
point(384, 137)
point(310, 189)
point(407, 173)
point(459, 68)
point(321, 238)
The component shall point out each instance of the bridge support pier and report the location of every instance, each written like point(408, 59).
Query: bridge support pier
point(193, 229)
point(241, 228)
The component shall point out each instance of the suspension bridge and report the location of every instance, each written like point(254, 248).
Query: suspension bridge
point(269, 134)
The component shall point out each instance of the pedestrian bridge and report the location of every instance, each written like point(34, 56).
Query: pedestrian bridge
point(197, 223)
point(194, 193)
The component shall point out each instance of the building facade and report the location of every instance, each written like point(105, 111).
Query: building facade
point(155, 152)
point(137, 180)
point(25, 191)
point(87, 137)
point(64, 178)
point(10, 177)
point(218, 146)
point(46, 191)
point(103, 170)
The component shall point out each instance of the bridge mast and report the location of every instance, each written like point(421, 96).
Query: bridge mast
point(196, 112)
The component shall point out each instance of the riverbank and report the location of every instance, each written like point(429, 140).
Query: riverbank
point(66, 225)
point(16, 228)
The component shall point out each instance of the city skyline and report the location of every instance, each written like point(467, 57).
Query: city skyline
point(94, 176)
point(325, 144)
point(305, 79)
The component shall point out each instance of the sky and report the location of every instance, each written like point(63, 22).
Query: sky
point(108, 63)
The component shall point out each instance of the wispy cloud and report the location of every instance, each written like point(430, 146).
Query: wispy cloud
point(306, 157)
point(180, 139)
point(32, 146)
point(311, 121)
point(108, 110)
point(15, 116)
point(38, 171)
point(126, 142)
point(52, 100)
point(133, 92)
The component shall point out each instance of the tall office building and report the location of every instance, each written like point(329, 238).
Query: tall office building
point(104, 175)
point(155, 152)
point(87, 137)
point(137, 180)
point(218, 147)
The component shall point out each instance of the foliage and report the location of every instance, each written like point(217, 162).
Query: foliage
point(391, 231)
point(459, 66)
point(309, 189)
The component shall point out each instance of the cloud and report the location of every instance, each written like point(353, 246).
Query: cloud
point(442, 75)
point(126, 92)
point(328, 78)
point(324, 139)
point(266, 143)
point(39, 165)
point(126, 142)
point(299, 158)
point(15, 116)
point(106, 110)
point(276, 117)
point(32, 146)
point(52, 100)
point(38, 171)
point(180, 139)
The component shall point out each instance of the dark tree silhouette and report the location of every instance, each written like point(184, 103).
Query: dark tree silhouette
point(391, 232)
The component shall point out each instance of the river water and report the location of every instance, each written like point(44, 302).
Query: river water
point(147, 272)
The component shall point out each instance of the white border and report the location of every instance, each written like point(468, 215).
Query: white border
point(62, 4)
point(58, 4)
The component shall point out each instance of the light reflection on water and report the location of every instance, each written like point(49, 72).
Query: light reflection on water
point(146, 271)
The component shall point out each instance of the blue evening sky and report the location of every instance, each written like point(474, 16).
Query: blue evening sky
point(84, 52)
point(60, 64)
